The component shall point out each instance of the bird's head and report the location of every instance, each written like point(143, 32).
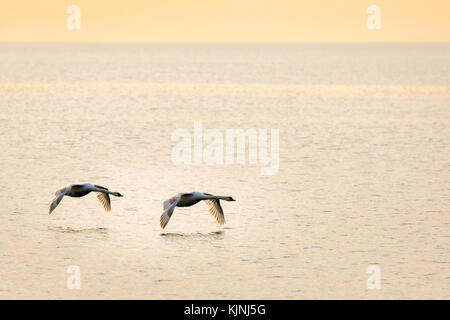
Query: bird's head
point(118, 194)
point(230, 199)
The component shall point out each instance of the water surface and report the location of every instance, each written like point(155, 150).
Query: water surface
point(364, 173)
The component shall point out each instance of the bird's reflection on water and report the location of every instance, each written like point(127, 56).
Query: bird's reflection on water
point(216, 235)
point(99, 231)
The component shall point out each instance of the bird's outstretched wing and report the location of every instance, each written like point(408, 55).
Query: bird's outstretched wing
point(216, 210)
point(55, 203)
point(169, 206)
point(104, 200)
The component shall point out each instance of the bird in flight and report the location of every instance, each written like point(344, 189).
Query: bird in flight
point(80, 190)
point(189, 199)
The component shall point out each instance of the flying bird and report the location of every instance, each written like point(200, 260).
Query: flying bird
point(80, 190)
point(189, 199)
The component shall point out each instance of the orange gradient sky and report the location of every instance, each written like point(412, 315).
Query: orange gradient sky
point(225, 21)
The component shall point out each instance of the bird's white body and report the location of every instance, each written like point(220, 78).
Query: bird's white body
point(189, 199)
point(80, 190)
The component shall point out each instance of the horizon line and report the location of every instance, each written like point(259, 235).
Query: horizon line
point(225, 42)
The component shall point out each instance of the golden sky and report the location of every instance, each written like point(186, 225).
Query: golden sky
point(225, 21)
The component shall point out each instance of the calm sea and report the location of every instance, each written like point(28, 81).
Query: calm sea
point(363, 178)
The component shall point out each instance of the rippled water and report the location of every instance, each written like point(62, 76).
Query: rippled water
point(364, 174)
